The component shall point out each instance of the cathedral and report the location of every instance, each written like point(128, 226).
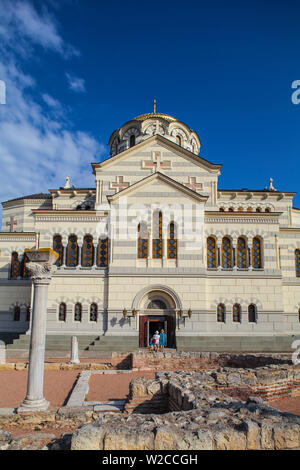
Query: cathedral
point(156, 244)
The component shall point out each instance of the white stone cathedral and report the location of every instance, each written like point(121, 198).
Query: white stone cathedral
point(156, 244)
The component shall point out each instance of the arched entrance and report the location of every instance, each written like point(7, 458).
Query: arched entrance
point(156, 306)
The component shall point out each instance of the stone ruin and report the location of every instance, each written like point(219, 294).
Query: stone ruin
point(222, 402)
point(213, 409)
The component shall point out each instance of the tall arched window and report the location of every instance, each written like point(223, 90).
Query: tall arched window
point(102, 254)
point(241, 254)
point(93, 312)
point(58, 247)
point(211, 253)
point(252, 313)
point(78, 312)
point(17, 313)
point(297, 262)
point(178, 140)
point(72, 252)
point(87, 251)
point(256, 253)
point(132, 140)
point(142, 247)
point(226, 253)
point(15, 265)
point(221, 312)
point(24, 271)
point(236, 313)
point(157, 235)
point(62, 312)
point(172, 241)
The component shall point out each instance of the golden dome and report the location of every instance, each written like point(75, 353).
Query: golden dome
point(143, 117)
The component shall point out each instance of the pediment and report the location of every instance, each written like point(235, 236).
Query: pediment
point(153, 180)
point(158, 143)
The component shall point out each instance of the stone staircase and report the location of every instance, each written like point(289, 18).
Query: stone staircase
point(85, 343)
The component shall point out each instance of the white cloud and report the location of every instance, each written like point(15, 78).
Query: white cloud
point(38, 145)
point(22, 27)
point(75, 83)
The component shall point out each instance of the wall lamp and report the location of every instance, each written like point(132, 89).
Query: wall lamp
point(183, 317)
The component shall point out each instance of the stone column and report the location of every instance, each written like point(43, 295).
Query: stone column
point(2, 353)
point(95, 245)
point(65, 246)
point(79, 255)
point(74, 359)
point(41, 270)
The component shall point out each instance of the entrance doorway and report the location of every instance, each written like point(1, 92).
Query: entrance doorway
point(151, 323)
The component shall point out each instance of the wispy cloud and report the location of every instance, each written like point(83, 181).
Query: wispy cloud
point(38, 145)
point(22, 27)
point(75, 83)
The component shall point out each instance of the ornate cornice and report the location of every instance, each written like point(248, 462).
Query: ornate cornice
point(67, 216)
point(17, 237)
point(242, 218)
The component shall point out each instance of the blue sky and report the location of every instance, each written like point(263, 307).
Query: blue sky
point(75, 70)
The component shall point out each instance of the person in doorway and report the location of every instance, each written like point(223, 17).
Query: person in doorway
point(155, 341)
point(162, 339)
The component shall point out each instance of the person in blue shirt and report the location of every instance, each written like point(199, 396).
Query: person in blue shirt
point(162, 339)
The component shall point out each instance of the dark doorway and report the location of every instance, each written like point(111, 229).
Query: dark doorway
point(150, 324)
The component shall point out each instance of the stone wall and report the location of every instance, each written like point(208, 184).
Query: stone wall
point(268, 382)
point(172, 361)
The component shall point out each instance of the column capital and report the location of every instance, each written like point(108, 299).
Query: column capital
point(41, 271)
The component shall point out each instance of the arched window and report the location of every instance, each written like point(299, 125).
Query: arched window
point(17, 313)
point(172, 241)
point(258, 209)
point(157, 235)
point(240, 209)
point(249, 209)
point(142, 241)
point(226, 253)
point(28, 312)
point(132, 140)
point(231, 209)
point(78, 312)
point(241, 253)
point(267, 209)
point(211, 253)
point(72, 252)
point(102, 254)
point(297, 262)
point(87, 251)
point(58, 247)
point(252, 313)
point(236, 313)
point(15, 266)
point(24, 271)
point(221, 311)
point(256, 253)
point(93, 312)
point(222, 209)
point(156, 304)
point(178, 140)
point(62, 312)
